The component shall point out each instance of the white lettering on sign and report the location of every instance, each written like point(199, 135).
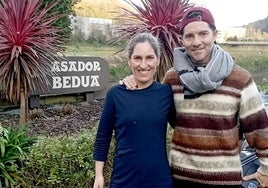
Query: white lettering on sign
point(80, 78)
point(75, 81)
point(75, 66)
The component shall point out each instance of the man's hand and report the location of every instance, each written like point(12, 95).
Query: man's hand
point(130, 82)
point(261, 178)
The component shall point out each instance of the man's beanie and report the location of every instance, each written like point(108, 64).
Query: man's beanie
point(196, 14)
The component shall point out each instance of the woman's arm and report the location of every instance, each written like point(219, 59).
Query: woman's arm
point(99, 179)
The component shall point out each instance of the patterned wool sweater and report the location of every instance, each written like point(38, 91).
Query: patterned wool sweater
point(206, 141)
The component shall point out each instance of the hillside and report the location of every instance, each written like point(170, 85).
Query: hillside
point(260, 24)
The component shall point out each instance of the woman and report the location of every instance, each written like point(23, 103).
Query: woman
point(139, 121)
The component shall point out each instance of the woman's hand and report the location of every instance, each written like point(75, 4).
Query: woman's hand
point(99, 182)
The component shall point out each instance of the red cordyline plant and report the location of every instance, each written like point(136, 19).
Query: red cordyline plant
point(159, 17)
point(28, 45)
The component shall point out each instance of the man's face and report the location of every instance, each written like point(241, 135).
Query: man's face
point(198, 39)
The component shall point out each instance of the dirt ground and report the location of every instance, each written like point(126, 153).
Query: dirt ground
point(54, 120)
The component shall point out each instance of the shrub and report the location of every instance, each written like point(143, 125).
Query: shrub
point(13, 144)
point(118, 68)
point(63, 161)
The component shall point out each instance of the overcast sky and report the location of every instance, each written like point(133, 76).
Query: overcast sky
point(235, 12)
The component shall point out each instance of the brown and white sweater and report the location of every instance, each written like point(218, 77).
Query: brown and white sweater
point(206, 141)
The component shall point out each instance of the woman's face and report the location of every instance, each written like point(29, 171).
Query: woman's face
point(143, 63)
point(198, 39)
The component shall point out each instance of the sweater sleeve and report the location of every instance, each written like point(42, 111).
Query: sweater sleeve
point(105, 129)
point(172, 110)
point(171, 78)
point(254, 123)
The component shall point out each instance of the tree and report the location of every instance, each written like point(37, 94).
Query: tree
point(28, 45)
point(63, 7)
point(161, 18)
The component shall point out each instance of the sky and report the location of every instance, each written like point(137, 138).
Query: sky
point(229, 13)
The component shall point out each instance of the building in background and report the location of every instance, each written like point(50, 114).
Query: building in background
point(235, 33)
point(243, 34)
point(87, 27)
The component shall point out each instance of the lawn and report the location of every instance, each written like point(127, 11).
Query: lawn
point(255, 60)
point(83, 49)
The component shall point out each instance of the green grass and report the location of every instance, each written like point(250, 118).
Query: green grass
point(252, 58)
point(88, 50)
point(255, 60)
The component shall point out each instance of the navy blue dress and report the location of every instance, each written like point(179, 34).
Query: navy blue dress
point(139, 121)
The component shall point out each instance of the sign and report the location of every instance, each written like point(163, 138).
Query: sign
point(78, 74)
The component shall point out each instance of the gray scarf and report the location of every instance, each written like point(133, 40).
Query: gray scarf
point(197, 79)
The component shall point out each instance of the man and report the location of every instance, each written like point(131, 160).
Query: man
point(217, 104)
